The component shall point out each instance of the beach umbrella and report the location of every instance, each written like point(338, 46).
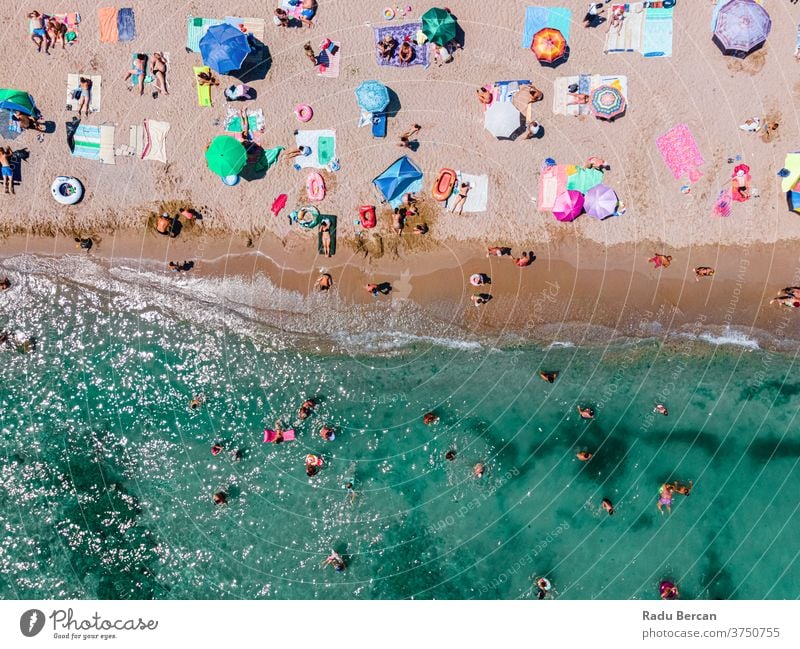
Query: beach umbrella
point(600, 201)
point(226, 156)
point(584, 179)
point(224, 48)
point(501, 119)
point(568, 205)
point(12, 100)
point(548, 45)
point(607, 102)
point(742, 26)
point(372, 96)
point(401, 177)
point(792, 165)
point(793, 198)
point(439, 26)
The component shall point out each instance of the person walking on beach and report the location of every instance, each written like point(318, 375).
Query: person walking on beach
point(6, 169)
point(405, 138)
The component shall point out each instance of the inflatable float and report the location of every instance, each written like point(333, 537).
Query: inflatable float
point(315, 187)
point(443, 185)
point(67, 190)
point(313, 460)
point(307, 217)
point(303, 112)
point(668, 590)
point(271, 435)
point(366, 215)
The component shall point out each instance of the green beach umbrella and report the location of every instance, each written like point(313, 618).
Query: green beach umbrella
point(439, 26)
point(226, 156)
point(20, 100)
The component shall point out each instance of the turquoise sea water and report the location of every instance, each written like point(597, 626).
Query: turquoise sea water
point(106, 474)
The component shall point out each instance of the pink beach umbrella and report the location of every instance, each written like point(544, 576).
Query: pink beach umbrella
point(600, 201)
point(568, 205)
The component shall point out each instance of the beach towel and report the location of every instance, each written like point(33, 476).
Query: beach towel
point(328, 64)
point(401, 33)
point(96, 93)
point(126, 24)
point(107, 144)
point(267, 158)
point(332, 220)
point(680, 152)
point(631, 35)
point(537, 18)
point(196, 28)
point(323, 148)
point(478, 196)
point(657, 33)
point(505, 90)
point(552, 183)
point(10, 129)
point(203, 92)
point(150, 140)
point(107, 18)
point(87, 142)
point(233, 120)
point(293, 10)
point(254, 27)
point(561, 95)
point(722, 206)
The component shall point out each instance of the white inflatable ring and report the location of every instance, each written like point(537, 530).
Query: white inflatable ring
point(303, 112)
point(67, 190)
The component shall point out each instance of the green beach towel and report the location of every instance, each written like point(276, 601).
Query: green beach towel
point(235, 125)
point(325, 149)
point(332, 220)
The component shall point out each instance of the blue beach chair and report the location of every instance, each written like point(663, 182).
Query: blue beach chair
point(379, 125)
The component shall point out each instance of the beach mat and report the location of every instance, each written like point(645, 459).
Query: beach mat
point(126, 24)
point(233, 120)
point(405, 32)
point(681, 153)
point(107, 19)
point(332, 220)
point(657, 33)
point(196, 28)
point(74, 82)
point(478, 196)
point(203, 92)
point(323, 148)
point(329, 64)
point(552, 183)
point(10, 129)
point(631, 35)
point(537, 18)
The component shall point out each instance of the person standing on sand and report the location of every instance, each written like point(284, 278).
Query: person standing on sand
point(6, 169)
point(405, 138)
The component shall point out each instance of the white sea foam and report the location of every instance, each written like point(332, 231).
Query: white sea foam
point(726, 336)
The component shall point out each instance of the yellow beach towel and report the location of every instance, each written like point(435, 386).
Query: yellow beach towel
point(203, 92)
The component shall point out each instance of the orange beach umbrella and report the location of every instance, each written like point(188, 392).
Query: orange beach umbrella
point(548, 45)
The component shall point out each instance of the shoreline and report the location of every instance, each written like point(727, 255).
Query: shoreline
point(576, 293)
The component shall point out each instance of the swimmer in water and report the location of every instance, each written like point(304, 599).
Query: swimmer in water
point(583, 456)
point(197, 401)
point(661, 409)
point(430, 418)
point(335, 560)
point(608, 506)
point(450, 455)
point(684, 490)
point(550, 377)
point(665, 497)
point(351, 493)
point(327, 433)
point(306, 409)
point(478, 470)
point(236, 455)
point(216, 449)
point(586, 413)
point(668, 590)
point(220, 498)
point(543, 586)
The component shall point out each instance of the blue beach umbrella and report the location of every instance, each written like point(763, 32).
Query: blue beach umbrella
point(372, 96)
point(224, 48)
point(401, 177)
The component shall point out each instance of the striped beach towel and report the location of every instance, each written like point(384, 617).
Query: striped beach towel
point(329, 63)
point(233, 120)
point(96, 93)
point(196, 28)
point(87, 142)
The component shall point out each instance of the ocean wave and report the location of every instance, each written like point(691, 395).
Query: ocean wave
point(387, 341)
point(725, 336)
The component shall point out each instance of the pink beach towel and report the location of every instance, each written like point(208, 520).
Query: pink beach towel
point(270, 435)
point(552, 183)
point(722, 206)
point(679, 150)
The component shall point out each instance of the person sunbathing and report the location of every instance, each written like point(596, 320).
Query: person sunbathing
point(39, 33)
point(525, 259)
point(27, 121)
point(386, 47)
point(325, 232)
point(406, 54)
point(281, 18)
point(463, 191)
point(298, 151)
point(535, 95)
point(484, 96)
point(206, 79)
point(57, 31)
point(660, 261)
point(85, 95)
point(309, 52)
point(138, 69)
point(580, 98)
point(740, 181)
point(160, 72)
point(307, 12)
point(616, 20)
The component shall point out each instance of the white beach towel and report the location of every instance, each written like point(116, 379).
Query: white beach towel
point(478, 196)
point(310, 139)
point(150, 140)
point(631, 36)
point(107, 144)
point(96, 93)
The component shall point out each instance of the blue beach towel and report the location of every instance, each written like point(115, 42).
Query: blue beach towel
point(560, 18)
point(535, 19)
point(657, 33)
point(126, 24)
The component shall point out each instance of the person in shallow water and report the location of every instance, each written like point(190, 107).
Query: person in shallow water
point(430, 418)
point(586, 413)
point(550, 377)
point(306, 409)
point(608, 506)
point(665, 497)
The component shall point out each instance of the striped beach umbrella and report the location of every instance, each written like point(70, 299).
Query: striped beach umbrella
point(607, 102)
point(742, 26)
point(548, 45)
point(568, 205)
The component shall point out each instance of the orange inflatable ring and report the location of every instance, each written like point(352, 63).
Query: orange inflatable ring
point(303, 112)
point(443, 185)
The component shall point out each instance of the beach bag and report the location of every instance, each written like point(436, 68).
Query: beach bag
point(573, 87)
point(76, 93)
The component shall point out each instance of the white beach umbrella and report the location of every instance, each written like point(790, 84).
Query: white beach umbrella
point(501, 119)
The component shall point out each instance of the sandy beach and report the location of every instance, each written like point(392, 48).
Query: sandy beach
point(597, 265)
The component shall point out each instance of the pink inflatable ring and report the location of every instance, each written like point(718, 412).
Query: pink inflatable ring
point(303, 112)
